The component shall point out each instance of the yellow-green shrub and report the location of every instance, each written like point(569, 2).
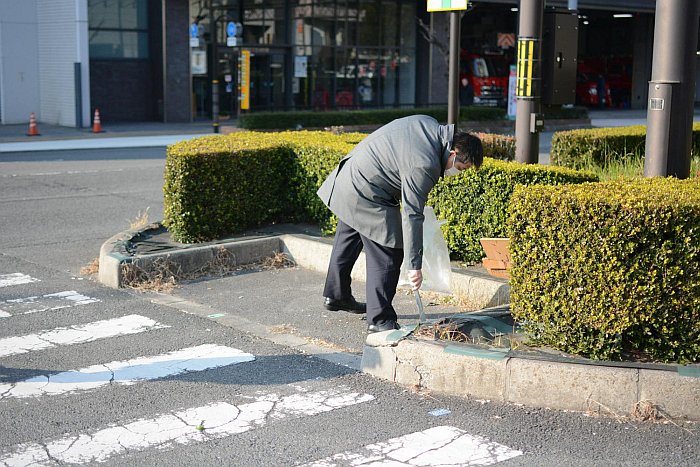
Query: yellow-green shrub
point(586, 148)
point(215, 186)
point(475, 203)
point(609, 268)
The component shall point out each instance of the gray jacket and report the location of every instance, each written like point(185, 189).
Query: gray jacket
point(397, 164)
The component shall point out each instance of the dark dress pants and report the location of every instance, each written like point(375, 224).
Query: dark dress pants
point(383, 270)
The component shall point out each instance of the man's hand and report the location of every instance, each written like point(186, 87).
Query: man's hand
point(415, 278)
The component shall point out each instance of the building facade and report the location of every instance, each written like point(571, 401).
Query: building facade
point(163, 60)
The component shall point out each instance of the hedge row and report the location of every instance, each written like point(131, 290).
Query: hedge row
point(582, 149)
point(609, 270)
point(217, 186)
point(308, 119)
point(475, 203)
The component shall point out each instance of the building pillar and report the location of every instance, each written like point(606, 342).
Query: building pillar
point(177, 86)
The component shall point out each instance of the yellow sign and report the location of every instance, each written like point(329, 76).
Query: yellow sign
point(447, 5)
point(526, 64)
point(244, 79)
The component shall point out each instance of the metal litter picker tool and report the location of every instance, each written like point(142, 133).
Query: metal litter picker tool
point(419, 305)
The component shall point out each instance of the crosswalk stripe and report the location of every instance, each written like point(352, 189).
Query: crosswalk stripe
point(16, 278)
point(441, 445)
point(53, 301)
point(219, 420)
point(130, 324)
point(199, 358)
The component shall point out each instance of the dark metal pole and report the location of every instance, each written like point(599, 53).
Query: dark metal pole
point(78, 79)
point(672, 89)
point(214, 70)
point(453, 81)
point(527, 119)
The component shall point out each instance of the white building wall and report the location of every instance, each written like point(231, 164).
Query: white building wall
point(19, 65)
point(63, 41)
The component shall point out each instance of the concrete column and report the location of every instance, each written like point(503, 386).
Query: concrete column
point(177, 83)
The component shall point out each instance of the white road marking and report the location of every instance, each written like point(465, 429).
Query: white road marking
point(219, 420)
point(438, 446)
point(199, 358)
point(53, 301)
point(16, 278)
point(131, 324)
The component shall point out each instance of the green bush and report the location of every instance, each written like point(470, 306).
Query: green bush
point(308, 119)
point(216, 186)
point(597, 147)
point(475, 203)
point(609, 269)
point(498, 146)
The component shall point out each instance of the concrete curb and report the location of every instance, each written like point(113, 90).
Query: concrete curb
point(474, 290)
point(496, 375)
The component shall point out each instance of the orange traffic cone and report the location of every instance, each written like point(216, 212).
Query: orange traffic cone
point(96, 124)
point(33, 130)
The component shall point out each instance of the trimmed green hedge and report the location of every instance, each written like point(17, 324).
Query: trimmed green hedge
point(583, 149)
point(217, 186)
point(609, 269)
point(475, 202)
point(308, 119)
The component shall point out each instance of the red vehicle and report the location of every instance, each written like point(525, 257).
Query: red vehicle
point(587, 90)
point(488, 75)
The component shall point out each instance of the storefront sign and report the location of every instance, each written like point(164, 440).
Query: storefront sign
point(244, 79)
point(199, 62)
point(300, 63)
point(446, 5)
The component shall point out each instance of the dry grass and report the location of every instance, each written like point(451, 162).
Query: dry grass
point(93, 267)
point(642, 411)
point(164, 275)
point(141, 220)
point(278, 261)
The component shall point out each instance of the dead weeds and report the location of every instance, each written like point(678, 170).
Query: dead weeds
point(644, 411)
point(164, 275)
point(141, 220)
point(93, 267)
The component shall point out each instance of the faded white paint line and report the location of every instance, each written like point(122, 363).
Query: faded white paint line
point(202, 357)
point(220, 420)
point(131, 324)
point(16, 278)
point(53, 301)
point(438, 446)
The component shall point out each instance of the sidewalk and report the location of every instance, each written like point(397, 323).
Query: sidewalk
point(118, 135)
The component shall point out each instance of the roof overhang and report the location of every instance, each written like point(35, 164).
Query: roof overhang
point(631, 6)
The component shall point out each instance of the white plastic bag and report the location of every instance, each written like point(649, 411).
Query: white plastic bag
point(436, 257)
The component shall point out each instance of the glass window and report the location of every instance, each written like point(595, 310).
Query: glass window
point(390, 22)
point(408, 24)
point(368, 23)
point(118, 28)
point(118, 44)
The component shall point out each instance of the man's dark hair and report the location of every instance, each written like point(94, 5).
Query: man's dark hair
point(469, 148)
